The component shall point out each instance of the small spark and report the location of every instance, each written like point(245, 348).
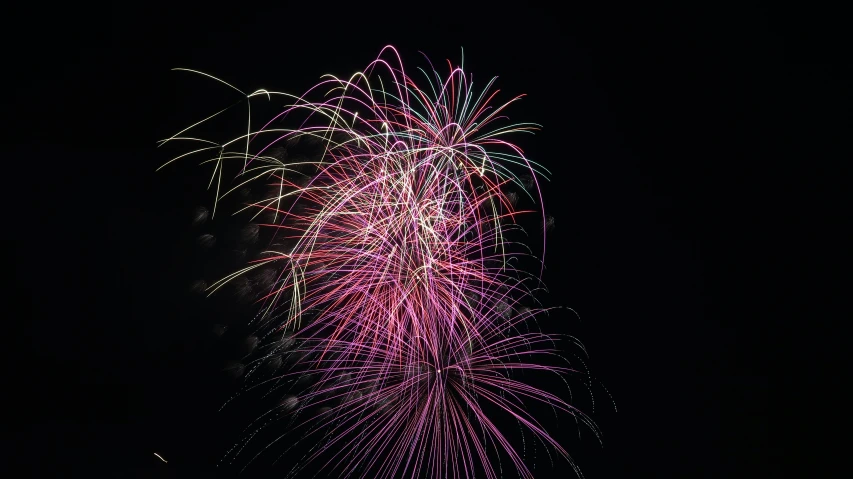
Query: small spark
point(161, 458)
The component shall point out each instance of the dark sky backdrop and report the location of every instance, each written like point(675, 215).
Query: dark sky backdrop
point(660, 126)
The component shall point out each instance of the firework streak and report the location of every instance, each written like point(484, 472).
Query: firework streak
point(396, 290)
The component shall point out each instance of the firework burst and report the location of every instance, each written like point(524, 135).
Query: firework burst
point(392, 275)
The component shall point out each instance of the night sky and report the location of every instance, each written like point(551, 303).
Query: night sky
point(661, 128)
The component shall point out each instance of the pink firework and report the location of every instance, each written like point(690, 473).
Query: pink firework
point(394, 282)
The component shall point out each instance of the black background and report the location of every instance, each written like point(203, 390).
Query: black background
point(666, 130)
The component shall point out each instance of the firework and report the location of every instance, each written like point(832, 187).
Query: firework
point(391, 279)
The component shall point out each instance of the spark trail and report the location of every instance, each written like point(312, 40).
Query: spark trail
point(395, 286)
